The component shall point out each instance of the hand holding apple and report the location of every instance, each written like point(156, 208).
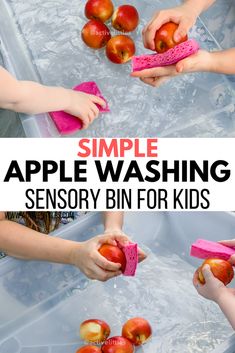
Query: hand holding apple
point(113, 254)
point(182, 15)
point(125, 18)
point(99, 10)
point(213, 289)
point(86, 256)
point(164, 37)
point(201, 61)
point(95, 34)
point(221, 269)
point(229, 243)
point(120, 49)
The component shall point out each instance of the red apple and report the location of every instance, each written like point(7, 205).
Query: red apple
point(164, 37)
point(221, 269)
point(114, 254)
point(89, 349)
point(95, 34)
point(95, 331)
point(120, 49)
point(137, 330)
point(125, 18)
point(99, 9)
point(117, 344)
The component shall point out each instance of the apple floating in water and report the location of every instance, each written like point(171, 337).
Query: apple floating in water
point(99, 10)
point(89, 349)
point(125, 18)
point(137, 330)
point(94, 331)
point(120, 49)
point(95, 34)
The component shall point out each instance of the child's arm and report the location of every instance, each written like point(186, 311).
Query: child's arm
point(33, 98)
point(185, 15)
point(221, 62)
point(226, 303)
point(215, 290)
point(113, 223)
point(24, 243)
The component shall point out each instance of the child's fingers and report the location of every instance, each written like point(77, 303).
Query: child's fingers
point(148, 35)
point(232, 260)
point(150, 30)
point(98, 100)
point(207, 274)
point(182, 30)
point(156, 72)
point(155, 81)
point(102, 275)
point(85, 119)
point(95, 110)
point(106, 239)
point(122, 239)
point(85, 123)
point(91, 116)
point(102, 262)
point(160, 81)
point(113, 238)
point(186, 65)
point(193, 63)
point(149, 80)
point(196, 281)
point(141, 74)
point(109, 275)
point(141, 255)
point(229, 242)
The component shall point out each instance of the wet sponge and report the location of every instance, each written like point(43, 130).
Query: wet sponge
point(131, 252)
point(172, 56)
point(66, 123)
point(204, 249)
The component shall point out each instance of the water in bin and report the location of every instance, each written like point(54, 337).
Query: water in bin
point(161, 292)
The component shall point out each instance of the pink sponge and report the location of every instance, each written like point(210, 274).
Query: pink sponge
point(66, 123)
point(204, 249)
point(172, 56)
point(131, 252)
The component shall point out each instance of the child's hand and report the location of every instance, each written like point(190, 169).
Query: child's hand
point(183, 15)
point(230, 243)
point(83, 106)
point(213, 288)
point(119, 234)
point(201, 61)
point(87, 257)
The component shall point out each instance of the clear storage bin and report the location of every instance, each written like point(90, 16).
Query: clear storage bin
point(42, 304)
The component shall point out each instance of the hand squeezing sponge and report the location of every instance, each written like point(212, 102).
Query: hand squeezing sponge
point(170, 57)
point(131, 253)
point(204, 249)
point(66, 123)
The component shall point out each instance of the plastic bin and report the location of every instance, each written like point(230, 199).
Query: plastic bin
point(42, 305)
point(41, 41)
